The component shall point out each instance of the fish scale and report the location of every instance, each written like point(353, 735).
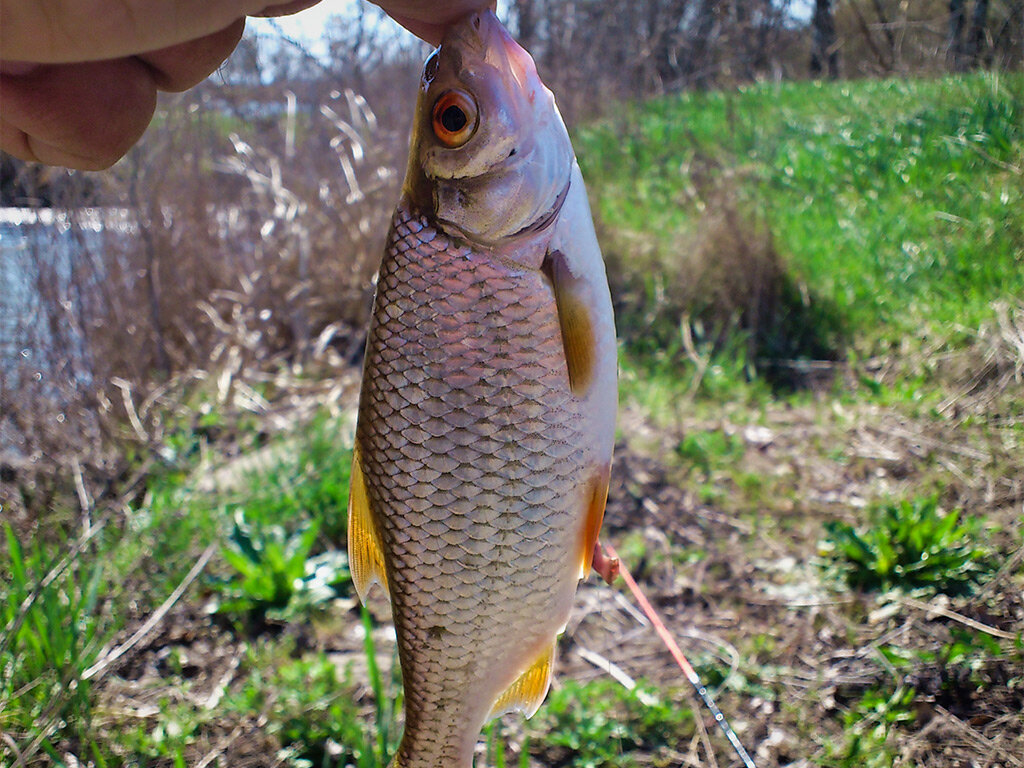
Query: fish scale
point(472, 442)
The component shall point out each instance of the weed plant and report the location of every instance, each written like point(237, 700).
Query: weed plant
point(910, 545)
point(275, 575)
point(868, 726)
point(600, 724)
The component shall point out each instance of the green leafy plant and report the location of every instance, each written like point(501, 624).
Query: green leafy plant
point(909, 544)
point(313, 707)
point(599, 723)
point(867, 727)
point(275, 575)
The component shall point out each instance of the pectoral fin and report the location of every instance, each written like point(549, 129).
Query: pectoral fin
point(528, 691)
point(574, 320)
point(365, 555)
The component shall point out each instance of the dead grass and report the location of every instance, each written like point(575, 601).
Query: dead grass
point(170, 293)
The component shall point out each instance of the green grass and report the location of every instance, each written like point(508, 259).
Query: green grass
point(898, 205)
point(52, 627)
point(280, 529)
point(600, 724)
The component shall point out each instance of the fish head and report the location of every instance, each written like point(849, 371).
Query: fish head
point(490, 157)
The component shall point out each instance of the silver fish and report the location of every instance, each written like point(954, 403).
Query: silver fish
point(487, 410)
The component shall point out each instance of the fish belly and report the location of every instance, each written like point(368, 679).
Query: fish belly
point(475, 460)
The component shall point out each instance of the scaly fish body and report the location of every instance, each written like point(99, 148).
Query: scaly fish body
point(486, 415)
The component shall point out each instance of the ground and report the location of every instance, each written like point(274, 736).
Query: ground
point(719, 513)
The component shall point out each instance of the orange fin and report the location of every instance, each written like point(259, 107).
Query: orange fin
point(528, 691)
point(596, 497)
point(365, 554)
point(575, 321)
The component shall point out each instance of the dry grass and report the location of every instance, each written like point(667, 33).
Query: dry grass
point(162, 290)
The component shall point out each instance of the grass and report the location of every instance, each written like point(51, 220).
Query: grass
point(54, 626)
point(601, 724)
point(895, 206)
point(871, 227)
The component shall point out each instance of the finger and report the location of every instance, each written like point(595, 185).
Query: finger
point(83, 116)
point(428, 20)
point(181, 66)
point(55, 31)
point(286, 9)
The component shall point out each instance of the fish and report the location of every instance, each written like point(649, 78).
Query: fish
point(487, 406)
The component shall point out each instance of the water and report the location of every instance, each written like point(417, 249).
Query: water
point(38, 249)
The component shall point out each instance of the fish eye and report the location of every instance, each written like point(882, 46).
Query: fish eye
point(454, 118)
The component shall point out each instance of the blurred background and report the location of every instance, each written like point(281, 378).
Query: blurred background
point(812, 215)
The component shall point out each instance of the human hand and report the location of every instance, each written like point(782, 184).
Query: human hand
point(79, 78)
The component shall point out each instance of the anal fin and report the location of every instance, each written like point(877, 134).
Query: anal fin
point(365, 555)
point(528, 691)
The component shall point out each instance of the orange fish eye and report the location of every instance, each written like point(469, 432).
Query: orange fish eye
point(454, 118)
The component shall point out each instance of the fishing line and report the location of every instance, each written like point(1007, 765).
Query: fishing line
point(677, 654)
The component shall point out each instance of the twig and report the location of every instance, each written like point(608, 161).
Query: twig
point(616, 672)
point(986, 156)
point(929, 442)
point(11, 744)
point(152, 621)
point(129, 407)
point(1009, 567)
point(50, 719)
point(702, 731)
point(227, 741)
point(965, 620)
point(700, 363)
point(977, 738)
point(84, 502)
point(222, 685)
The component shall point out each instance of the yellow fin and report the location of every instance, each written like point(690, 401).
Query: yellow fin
point(528, 691)
point(575, 322)
point(365, 555)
